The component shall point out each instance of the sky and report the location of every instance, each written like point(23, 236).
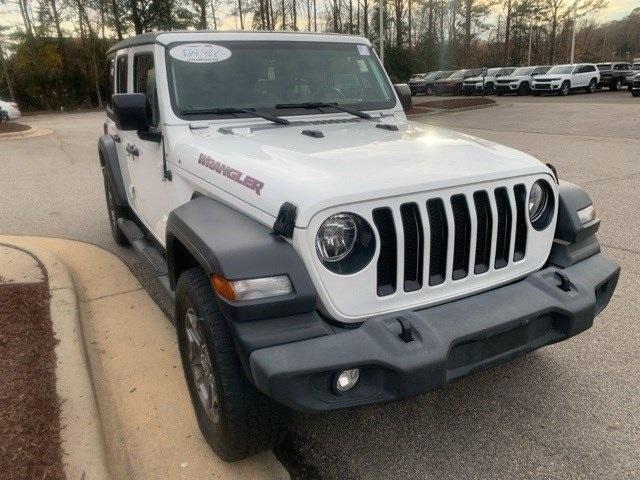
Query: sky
point(617, 9)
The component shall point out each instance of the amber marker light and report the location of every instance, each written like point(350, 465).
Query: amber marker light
point(252, 288)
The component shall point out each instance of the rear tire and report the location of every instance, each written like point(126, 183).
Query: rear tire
point(616, 85)
point(114, 211)
point(4, 117)
point(592, 86)
point(236, 419)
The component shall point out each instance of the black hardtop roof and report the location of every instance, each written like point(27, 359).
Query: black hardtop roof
point(151, 37)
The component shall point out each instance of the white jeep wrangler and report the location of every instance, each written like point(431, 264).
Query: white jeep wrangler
point(323, 252)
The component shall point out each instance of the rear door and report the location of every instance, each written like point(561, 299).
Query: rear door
point(579, 77)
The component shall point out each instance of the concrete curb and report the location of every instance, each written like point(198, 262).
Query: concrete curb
point(31, 133)
point(84, 453)
point(145, 413)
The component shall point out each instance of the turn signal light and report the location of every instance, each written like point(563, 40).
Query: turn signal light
point(252, 288)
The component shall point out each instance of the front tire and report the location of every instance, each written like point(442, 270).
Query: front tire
point(523, 89)
point(114, 211)
point(635, 93)
point(236, 419)
point(565, 89)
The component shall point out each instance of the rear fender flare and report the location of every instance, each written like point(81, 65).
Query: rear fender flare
point(108, 156)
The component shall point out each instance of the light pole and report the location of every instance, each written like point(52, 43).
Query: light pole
point(573, 30)
point(381, 15)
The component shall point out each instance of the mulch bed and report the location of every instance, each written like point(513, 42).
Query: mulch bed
point(456, 102)
point(29, 404)
point(12, 127)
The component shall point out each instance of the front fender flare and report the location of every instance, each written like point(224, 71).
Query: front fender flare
point(225, 242)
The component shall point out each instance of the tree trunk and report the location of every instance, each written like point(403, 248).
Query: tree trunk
point(308, 15)
point(26, 18)
point(350, 16)
point(507, 33)
point(240, 14)
point(7, 78)
point(552, 39)
point(60, 38)
point(365, 17)
point(468, 4)
point(213, 15)
point(116, 19)
point(315, 16)
point(294, 15)
point(135, 17)
point(410, 25)
point(284, 16)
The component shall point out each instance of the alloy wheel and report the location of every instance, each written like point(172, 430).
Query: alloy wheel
point(200, 365)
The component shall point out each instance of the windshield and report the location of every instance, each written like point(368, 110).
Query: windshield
point(492, 72)
point(503, 72)
point(247, 74)
point(561, 69)
point(523, 72)
point(433, 76)
point(457, 74)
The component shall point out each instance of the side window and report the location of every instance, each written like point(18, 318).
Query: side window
point(144, 81)
point(122, 74)
point(579, 70)
point(111, 78)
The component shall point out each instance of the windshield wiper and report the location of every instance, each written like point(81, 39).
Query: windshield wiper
point(320, 105)
point(232, 110)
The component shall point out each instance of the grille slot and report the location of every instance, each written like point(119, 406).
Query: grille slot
point(387, 261)
point(413, 246)
point(439, 233)
point(462, 239)
point(520, 245)
point(504, 228)
point(483, 235)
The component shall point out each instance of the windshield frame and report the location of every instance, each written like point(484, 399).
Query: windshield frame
point(391, 105)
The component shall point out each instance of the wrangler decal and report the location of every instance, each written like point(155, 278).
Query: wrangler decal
point(231, 173)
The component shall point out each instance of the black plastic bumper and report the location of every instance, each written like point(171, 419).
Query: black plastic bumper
point(449, 341)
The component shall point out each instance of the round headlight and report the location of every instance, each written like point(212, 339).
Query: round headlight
point(336, 237)
point(540, 205)
point(345, 243)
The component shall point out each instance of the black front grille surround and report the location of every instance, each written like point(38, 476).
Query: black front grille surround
point(464, 234)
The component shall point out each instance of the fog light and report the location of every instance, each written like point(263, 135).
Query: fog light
point(347, 379)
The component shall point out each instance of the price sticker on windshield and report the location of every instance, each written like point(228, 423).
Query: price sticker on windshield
point(363, 50)
point(200, 53)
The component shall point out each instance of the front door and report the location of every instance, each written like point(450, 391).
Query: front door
point(146, 156)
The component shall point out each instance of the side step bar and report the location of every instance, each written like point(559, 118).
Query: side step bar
point(155, 260)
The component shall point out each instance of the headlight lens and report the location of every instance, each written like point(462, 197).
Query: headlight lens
point(541, 203)
point(345, 243)
point(336, 237)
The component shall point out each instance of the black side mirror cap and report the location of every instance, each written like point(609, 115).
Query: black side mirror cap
point(404, 94)
point(130, 111)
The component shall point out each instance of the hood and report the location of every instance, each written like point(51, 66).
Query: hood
point(354, 161)
point(476, 79)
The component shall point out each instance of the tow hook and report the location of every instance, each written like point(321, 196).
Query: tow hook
point(565, 283)
point(405, 334)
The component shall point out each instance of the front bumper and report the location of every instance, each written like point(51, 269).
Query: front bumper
point(506, 88)
point(449, 341)
point(546, 87)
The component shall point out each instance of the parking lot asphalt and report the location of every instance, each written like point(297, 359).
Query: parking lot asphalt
point(566, 411)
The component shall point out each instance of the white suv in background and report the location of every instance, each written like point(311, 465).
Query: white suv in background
point(562, 79)
point(9, 111)
point(520, 80)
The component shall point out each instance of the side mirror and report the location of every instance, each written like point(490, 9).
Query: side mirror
point(130, 111)
point(404, 94)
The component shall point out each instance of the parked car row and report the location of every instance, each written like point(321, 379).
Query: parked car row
point(9, 111)
point(537, 79)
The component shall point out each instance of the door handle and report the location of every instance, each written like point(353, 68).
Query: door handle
point(116, 138)
point(132, 150)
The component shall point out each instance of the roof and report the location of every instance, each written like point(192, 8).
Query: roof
point(152, 37)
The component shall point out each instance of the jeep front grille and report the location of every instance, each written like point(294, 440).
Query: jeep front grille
point(470, 221)
point(433, 246)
